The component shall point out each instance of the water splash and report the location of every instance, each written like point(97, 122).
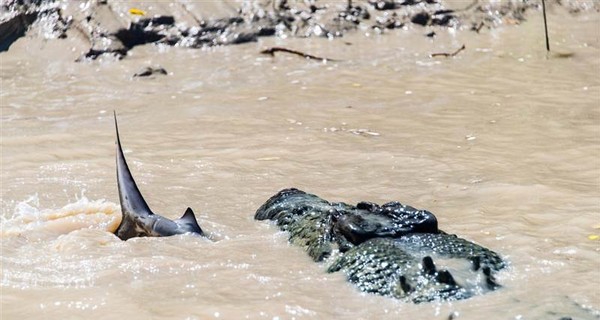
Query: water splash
point(30, 221)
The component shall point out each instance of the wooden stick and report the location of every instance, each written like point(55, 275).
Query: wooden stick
point(545, 25)
point(447, 55)
point(271, 51)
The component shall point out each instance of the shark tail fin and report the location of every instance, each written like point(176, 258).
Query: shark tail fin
point(189, 221)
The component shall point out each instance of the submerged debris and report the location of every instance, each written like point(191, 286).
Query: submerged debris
point(271, 52)
point(448, 55)
point(148, 71)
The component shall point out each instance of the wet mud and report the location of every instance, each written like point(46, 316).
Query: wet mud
point(114, 27)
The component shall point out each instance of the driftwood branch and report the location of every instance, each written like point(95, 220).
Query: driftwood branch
point(448, 55)
point(271, 51)
point(478, 27)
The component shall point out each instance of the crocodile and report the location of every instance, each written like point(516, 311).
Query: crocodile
point(391, 250)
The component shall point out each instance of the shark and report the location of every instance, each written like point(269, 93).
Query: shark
point(138, 219)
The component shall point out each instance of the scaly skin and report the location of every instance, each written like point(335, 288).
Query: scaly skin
point(388, 250)
point(307, 218)
point(451, 246)
point(383, 267)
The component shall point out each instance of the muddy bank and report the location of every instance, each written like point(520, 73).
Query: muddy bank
point(103, 27)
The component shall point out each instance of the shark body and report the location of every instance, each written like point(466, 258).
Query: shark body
point(138, 220)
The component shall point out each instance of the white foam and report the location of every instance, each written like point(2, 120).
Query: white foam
point(32, 222)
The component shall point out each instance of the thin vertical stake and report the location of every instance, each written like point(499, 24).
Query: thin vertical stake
point(545, 25)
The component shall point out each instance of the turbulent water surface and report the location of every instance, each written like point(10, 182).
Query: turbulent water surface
point(501, 142)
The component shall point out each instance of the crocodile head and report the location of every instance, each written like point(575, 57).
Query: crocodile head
point(391, 220)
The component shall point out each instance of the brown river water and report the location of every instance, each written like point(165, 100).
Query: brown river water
point(501, 142)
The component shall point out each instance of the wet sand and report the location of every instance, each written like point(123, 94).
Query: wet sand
point(501, 142)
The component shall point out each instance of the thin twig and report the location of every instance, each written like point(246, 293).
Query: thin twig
point(271, 51)
point(448, 55)
point(545, 26)
point(478, 28)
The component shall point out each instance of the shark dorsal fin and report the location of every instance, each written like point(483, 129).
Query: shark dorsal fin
point(132, 201)
point(189, 219)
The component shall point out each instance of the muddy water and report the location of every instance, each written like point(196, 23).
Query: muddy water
point(501, 142)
